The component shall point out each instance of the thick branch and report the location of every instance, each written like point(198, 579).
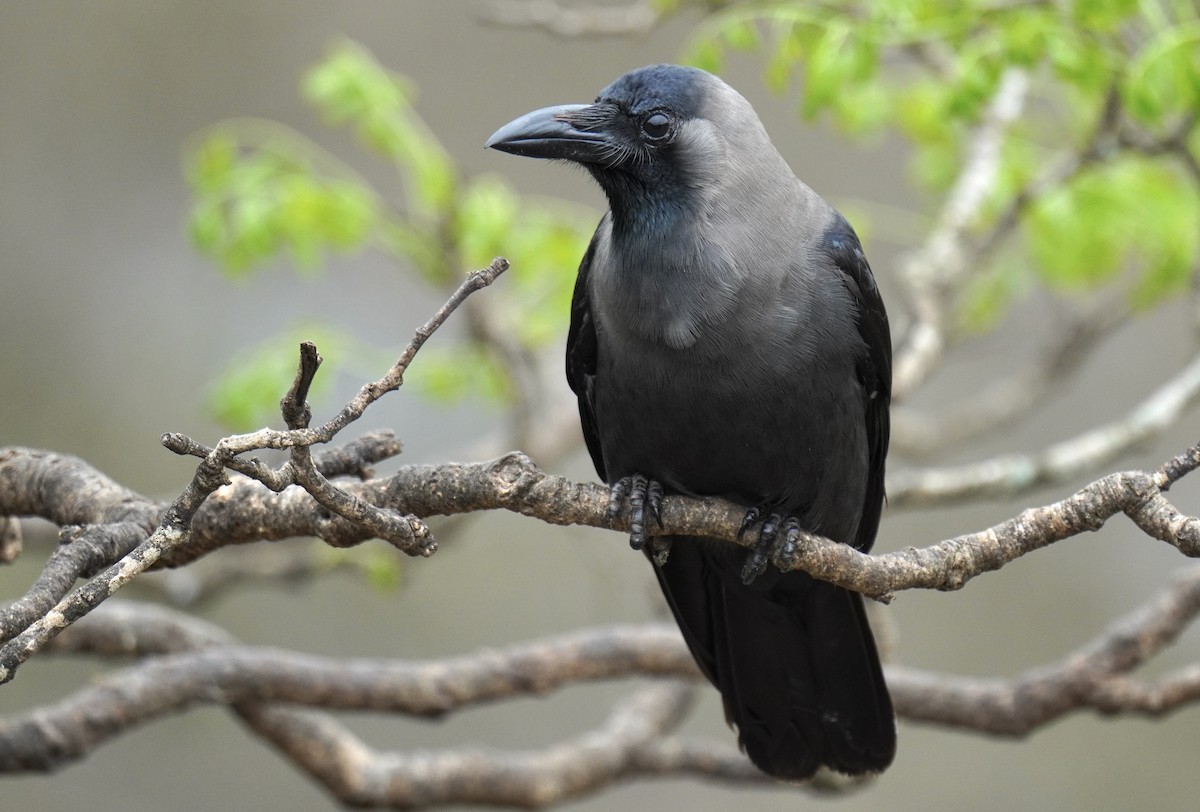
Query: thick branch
point(238, 675)
point(1095, 676)
point(360, 775)
point(244, 511)
point(103, 521)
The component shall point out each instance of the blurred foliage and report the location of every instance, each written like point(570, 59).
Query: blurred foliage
point(376, 564)
point(262, 191)
point(1100, 174)
point(246, 396)
point(1115, 96)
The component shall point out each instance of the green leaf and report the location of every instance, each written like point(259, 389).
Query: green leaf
point(741, 35)
point(865, 108)
point(257, 199)
point(1165, 78)
point(935, 165)
point(826, 69)
point(1169, 238)
point(977, 76)
point(922, 111)
point(791, 42)
point(1076, 233)
point(1134, 213)
point(451, 374)
point(988, 297)
point(210, 165)
point(245, 396)
point(705, 54)
point(486, 215)
point(350, 86)
point(378, 565)
point(382, 567)
point(1102, 15)
point(1026, 34)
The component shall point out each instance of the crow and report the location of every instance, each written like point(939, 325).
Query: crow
point(727, 339)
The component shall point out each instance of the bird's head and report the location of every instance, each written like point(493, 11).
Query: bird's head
point(658, 136)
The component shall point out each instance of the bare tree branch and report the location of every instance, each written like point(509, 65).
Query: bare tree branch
point(196, 663)
point(631, 19)
point(174, 528)
point(359, 775)
point(1012, 474)
point(11, 540)
point(933, 271)
point(229, 674)
point(115, 520)
point(248, 512)
point(1093, 676)
point(1006, 399)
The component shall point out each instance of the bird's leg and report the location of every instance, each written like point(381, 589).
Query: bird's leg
point(774, 527)
point(643, 493)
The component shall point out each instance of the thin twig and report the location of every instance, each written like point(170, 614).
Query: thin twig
point(934, 269)
point(1013, 474)
point(631, 19)
point(1005, 399)
point(174, 528)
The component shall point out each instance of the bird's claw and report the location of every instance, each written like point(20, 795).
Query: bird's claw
point(776, 528)
point(749, 520)
point(643, 493)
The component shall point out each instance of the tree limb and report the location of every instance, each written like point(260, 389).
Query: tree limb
point(244, 512)
point(932, 272)
point(189, 662)
point(174, 528)
point(1007, 398)
point(1014, 474)
point(633, 18)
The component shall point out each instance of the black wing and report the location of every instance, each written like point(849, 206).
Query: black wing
point(874, 370)
point(581, 357)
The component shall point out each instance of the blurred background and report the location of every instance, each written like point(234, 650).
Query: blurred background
point(113, 329)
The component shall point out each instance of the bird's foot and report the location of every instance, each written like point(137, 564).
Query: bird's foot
point(777, 529)
point(643, 493)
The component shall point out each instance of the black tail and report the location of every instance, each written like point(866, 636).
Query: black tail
point(794, 660)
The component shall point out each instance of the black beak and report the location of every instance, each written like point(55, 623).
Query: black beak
point(553, 132)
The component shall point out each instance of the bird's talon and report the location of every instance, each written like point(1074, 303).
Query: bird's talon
point(749, 520)
point(654, 497)
point(760, 555)
point(788, 549)
point(644, 494)
point(756, 564)
point(616, 495)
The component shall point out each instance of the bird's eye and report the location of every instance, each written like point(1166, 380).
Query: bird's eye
point(656, 126)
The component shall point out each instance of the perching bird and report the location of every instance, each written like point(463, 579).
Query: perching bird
point(727, 339)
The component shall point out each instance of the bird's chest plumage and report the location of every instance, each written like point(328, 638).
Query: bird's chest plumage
point(746, 408)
